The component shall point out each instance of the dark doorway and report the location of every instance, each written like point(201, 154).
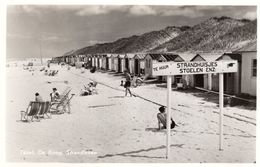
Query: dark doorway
point(199, 80)
point(229, 82)
point(98, 63)
point(127, 64)
point(119, 65)
point(136, 67)
point(107, 65)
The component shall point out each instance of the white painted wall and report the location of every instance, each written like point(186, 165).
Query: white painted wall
point(248, 82)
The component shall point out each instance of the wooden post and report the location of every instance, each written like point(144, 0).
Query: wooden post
point(168, 120)
point(221, 100)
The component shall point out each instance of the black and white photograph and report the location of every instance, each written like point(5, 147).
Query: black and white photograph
point(130, 83)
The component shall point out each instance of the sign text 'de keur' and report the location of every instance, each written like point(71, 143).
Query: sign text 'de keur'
point(198, 67)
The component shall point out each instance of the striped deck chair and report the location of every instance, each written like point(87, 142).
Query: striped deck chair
point(161, 120)
point(61, 106)
point(64, 94)
point(31, 111)
point(45, 109)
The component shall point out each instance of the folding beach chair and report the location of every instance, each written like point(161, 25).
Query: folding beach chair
point(64, 94)
point(45, 109)
point(60, 107)
point(31, 111)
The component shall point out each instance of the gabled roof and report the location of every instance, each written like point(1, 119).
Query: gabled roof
point(121, 56)
point(129, 55)
point(186, 56)
point(114, 55)
point(109, 55)
point(198, 58)
point(165, 57)
point(140, 56)
point(210, 56)
point(230, 56)
point(156, 56)
point(172, 57)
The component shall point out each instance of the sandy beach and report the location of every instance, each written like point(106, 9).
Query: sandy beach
point(109, 127)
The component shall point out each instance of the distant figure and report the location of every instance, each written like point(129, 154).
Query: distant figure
point(122, 83)
point(55, 95)
point(88, 90)
point(162, 119)
point(38, 98)
point(127, 83)
point(93, 69)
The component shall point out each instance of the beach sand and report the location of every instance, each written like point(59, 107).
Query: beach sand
point(109, 127)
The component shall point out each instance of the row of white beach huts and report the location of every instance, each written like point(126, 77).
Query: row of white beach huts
point(242, 82)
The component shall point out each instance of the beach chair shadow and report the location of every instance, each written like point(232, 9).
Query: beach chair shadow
point(31, 111)
point(157, 130)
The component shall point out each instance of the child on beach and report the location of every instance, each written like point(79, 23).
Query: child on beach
point(162, 119)
point(127, 83)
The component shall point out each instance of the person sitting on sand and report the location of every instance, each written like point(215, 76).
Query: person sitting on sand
point(38, 98)
point(162, 119)
point(55, 95)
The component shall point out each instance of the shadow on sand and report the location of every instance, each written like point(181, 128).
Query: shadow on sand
point(133, 153)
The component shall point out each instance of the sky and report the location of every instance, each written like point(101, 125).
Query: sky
point(52, 30)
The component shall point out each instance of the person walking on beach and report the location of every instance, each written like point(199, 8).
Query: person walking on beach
point(161, 116)
point(127, 83)
point(38, 98)
point(55, 95)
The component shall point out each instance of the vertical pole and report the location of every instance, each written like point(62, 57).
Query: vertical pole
point(210, 81)
point(221, 88)
point(41, 49)
point(168, 120)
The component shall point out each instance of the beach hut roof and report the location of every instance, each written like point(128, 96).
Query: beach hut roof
point(114, 55)
point(210, 56)
point(121, 56)
point(187, 56)
point(172, 57)
point(230, 56)
point(198, 57)
point(139, 56)
point(129, 55)
point(109, 55)
point(156, 56)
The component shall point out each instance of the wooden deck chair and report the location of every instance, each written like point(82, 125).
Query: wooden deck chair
point(45, 109)
point(61, 106)
point(31, 111)
point(161, 120)
point(64, 94)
